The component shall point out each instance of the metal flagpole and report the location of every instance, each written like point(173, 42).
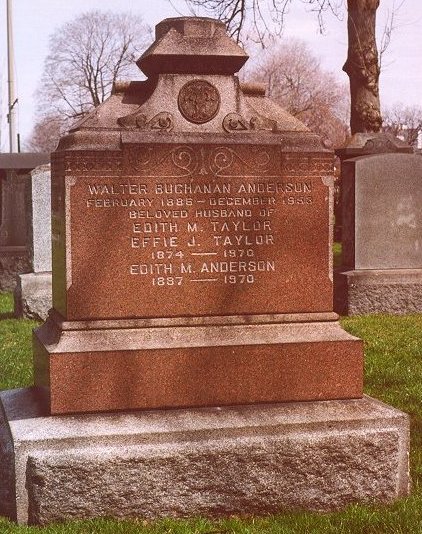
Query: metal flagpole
point(11, 114)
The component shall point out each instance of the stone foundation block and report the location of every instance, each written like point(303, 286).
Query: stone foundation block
point(33, 295)
point(156, 367)
point(393, 291)
point(206, 461)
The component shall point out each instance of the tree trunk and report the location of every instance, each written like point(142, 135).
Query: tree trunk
point(362, 66)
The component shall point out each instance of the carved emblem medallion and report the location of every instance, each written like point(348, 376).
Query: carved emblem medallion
point(199, 101)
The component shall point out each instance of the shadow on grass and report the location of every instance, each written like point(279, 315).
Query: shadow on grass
point(7, 306)
point(7, 315)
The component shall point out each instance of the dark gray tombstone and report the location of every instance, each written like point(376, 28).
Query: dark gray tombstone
point(14, 237)
point(382, 235)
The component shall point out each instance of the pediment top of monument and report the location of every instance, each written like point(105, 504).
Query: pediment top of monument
point(191, 89)
point(196, 45)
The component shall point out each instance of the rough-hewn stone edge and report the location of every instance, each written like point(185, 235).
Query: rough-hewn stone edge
point(261, 474)
point(33, 295)
point(7, 469)
point(392, 291)
point(196, 447)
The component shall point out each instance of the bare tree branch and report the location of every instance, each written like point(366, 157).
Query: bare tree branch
point(362, 64)
point(390, 26)
point(404, 122)
point(87, 55)
point(300, 85)
point(234, 13)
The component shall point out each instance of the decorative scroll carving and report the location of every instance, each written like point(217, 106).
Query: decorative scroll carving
point(162, 121)
point(199, 101)
point(138, 121)
point(185, 161)
point(258, 122)
point(227, 162)
point(93, 163)
point(190, 160)
point(379, 144)
point(233, 122)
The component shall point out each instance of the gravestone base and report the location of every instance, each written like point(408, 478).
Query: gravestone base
point(203, 361)
point(392, 291)
point(33, 295)
point(199, 462)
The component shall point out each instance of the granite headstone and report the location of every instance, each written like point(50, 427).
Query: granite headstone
point(382, 235)
point(14, 214)
point(192, 245)
point(192, 270)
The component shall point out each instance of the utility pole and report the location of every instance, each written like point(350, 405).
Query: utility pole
point(12, 100)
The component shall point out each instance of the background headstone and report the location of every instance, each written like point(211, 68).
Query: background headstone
point(382, 235)
point(41, 219)
point(14, 214)
point(33, 292)
point(363, 144)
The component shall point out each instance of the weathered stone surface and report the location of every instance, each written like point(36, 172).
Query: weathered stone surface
point(382, 235)
point(193, 45)
point(33, 295)
point(157, 367)
point(382, 227)
point(40, 234)
point(394, 291)
point(214, 461)
point(13, 261)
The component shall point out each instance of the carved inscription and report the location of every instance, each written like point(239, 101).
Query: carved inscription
point(199, 230)
point(174, 230)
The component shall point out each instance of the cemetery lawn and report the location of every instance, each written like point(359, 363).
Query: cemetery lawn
point(15, 347)
point(336, 254)
point(393, 374)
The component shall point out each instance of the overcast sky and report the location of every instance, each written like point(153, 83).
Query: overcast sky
point(35, 20)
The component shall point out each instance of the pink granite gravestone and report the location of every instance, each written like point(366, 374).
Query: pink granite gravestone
point(192, 245)
point(192, 309)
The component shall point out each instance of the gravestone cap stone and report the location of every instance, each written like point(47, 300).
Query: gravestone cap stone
point(192, 45)
point(366, 143)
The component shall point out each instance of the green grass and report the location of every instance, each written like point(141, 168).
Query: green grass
point(15, 347)
point(336, 254)
point(393, 373)
point(6, 305)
